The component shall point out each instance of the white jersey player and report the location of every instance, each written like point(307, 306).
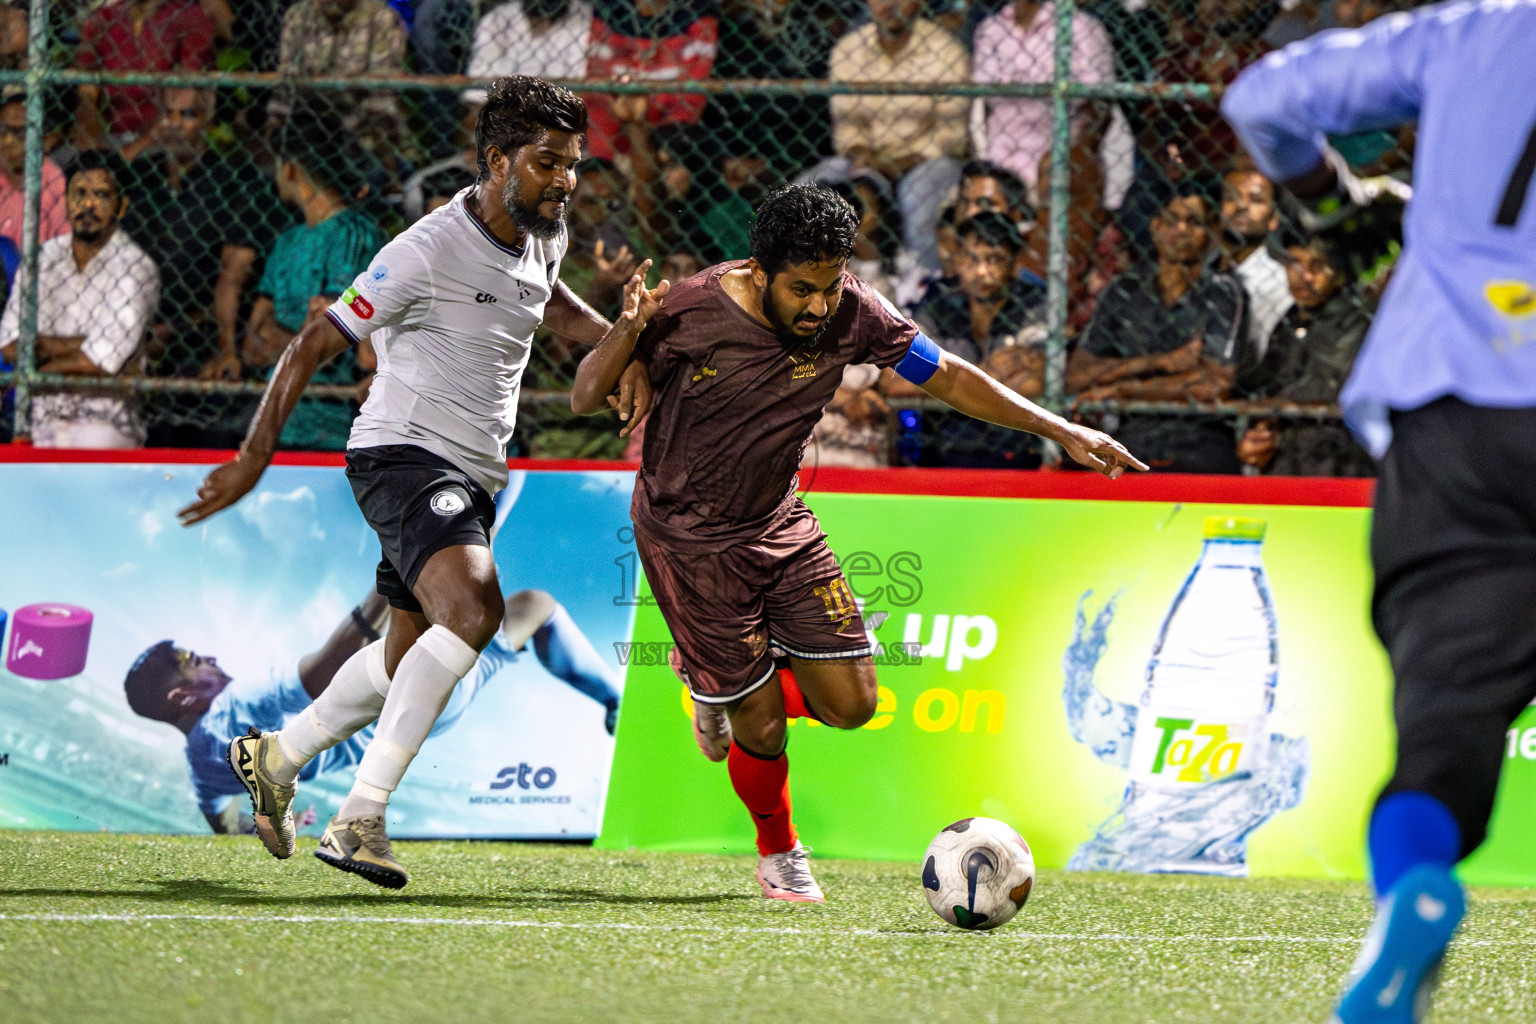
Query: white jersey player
point(450, 306)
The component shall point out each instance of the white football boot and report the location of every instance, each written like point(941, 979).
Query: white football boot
point(787, 876)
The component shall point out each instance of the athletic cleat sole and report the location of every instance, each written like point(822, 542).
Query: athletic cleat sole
point(368, 872)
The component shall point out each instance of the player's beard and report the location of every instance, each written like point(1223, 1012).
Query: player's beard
point(786, 334)
point(89, 231)
point(528, 217)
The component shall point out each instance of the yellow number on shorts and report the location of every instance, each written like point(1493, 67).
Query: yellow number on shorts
point(839, 601)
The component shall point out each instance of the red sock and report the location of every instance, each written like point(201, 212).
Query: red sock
point(794, 700)
point(763, 786)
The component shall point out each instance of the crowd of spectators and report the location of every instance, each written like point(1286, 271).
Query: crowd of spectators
point(189, 233)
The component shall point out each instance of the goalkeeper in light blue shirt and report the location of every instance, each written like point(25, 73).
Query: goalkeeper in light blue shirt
point(1444, 396)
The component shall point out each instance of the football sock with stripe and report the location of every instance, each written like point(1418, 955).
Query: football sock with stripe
point(422, 684)
point(354, 697)
point(762, 783)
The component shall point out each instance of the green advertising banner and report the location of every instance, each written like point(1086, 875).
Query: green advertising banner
point(1255, 743)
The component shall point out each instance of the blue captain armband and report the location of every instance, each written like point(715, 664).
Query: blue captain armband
point(921, 361)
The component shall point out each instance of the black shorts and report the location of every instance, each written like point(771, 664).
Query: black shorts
point(418, 503)
point(1453, 542)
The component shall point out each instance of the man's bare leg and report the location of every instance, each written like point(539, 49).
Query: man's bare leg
point(841, 693)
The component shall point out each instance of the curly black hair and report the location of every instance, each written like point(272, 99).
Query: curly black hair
point(1015, 192)
point(518, 108)
point(992, 228)
point(332, 157)
point(803, 224)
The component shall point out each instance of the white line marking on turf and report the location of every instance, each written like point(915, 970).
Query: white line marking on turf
point(461, 922)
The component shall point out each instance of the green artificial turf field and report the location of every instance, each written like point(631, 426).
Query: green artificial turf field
point(129, 929)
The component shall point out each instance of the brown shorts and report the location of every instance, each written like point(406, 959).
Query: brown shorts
point(729, 609)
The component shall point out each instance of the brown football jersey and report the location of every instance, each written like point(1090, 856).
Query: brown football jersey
point(734, 406)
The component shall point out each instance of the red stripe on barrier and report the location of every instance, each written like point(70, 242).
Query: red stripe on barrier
point(159, 456)
point(214, 456)
point(1185, 487)
point(964, 483)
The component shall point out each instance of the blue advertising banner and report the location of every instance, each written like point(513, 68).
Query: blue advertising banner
point(105, 726)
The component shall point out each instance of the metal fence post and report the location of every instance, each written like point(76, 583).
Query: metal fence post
point(31, 223)
point(1060, 192)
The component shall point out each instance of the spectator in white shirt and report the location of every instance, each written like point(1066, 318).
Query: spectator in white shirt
point(97, 293)
point(542, 38)
point(1248, 218)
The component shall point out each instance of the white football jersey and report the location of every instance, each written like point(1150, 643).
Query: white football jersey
point(451, 311)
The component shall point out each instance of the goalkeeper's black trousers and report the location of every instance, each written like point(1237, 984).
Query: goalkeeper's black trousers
point(1453, 543)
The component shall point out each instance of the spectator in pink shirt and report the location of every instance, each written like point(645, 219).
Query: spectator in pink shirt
point(1017, 44)
point(13, 151)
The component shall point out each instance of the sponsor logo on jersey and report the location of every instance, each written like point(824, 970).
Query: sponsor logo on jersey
point(447, 503)
point(805, 363)
point(357, 304)
point(705, 370)
point(1515, 303)
point(376, 278)
point(485, 297)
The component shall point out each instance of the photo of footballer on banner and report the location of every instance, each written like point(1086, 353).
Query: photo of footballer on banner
point(203, 635)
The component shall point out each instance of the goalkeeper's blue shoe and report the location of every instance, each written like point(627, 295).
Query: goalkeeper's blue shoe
point(1399, 967)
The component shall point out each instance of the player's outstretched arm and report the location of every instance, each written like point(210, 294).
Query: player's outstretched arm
point(1284, 106)
point(966, 389)
point(573, 319)
point(317, 343)
point(601, 369)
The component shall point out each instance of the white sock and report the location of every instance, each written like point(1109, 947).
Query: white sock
point(354, 698)
point(420, 689)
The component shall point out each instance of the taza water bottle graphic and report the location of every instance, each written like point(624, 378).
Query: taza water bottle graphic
point(1211, 679)
point(1204, 769)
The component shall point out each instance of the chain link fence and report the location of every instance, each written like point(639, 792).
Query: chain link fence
point(1049, 190)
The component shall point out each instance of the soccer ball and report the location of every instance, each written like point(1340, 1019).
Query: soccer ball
point(977, 873)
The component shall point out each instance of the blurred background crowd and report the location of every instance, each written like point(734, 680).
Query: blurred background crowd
point(189, 232)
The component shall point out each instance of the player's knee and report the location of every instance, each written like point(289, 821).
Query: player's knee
point(493, 609)
point(763, 737)
point(854, 706)
point(473, 616)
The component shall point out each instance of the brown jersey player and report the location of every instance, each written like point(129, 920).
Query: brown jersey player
point(742, 359)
